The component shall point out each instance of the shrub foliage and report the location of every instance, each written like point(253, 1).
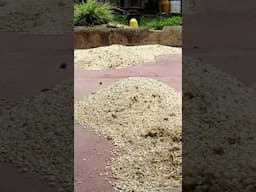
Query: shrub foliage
point(92, 12)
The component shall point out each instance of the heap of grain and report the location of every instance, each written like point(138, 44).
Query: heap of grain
point(218, 131)
point(143, 119)
point(120, 56)
point(37, 135)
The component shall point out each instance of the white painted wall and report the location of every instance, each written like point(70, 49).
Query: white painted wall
point(175, 6)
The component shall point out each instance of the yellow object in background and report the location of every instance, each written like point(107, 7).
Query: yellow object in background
point(134, 23)
point(166, 6)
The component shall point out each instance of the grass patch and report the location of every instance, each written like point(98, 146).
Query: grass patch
point(161, 21)
point(120, 20)
point(156, 22)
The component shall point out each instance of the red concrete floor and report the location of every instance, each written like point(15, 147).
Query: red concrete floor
point(229, 61)
point(167, 69)
point(23, 73)
point(13, 180)
point(93, 152)
point(226, 49)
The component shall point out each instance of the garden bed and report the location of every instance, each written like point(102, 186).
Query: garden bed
point(91, 37)
point(157, 22)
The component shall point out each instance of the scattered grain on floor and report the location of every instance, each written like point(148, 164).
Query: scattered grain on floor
point(120, 56)
point(143, 118)
point(37, 135)
point(49, 16)
point(218, 129)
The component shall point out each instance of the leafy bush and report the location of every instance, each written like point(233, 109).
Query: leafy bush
point(92, 13)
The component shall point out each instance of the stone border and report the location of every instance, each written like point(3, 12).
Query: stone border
point(91, 37)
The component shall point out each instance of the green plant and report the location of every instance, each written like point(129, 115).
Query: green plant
point(92, 13)
point(161, 21)
point(120, 19)
point(155, 22)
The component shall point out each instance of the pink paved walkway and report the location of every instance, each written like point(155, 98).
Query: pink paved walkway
point(93, 152)
point(13, 180)
point(167, 69)
point(30, 63)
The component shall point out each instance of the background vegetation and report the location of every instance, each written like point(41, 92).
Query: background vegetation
point(92, 13)
point(155, 22)
point(95, 12)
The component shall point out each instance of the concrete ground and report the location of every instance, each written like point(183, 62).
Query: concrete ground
point(92, 152)
point(167, 69)
point(30, 63)
point(13, 180)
